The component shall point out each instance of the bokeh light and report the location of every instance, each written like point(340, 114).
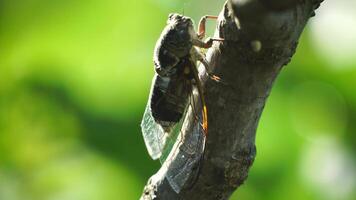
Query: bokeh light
point(328, 169)
point(334, 33)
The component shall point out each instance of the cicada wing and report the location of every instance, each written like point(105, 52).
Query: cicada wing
point(184, 164)
point(185, 167)
point(163, 115)
point(153, 134)
point(171, 139)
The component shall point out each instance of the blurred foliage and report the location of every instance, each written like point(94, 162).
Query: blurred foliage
point(75, 77)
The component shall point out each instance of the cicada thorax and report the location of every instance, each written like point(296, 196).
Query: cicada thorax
point(174, 44)
point(170, 95)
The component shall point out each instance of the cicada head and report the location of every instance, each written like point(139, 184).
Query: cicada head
point(181, 20)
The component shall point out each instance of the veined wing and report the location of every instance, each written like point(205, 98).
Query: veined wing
point(158, 141)
point(171, 139)
point(184, 164)
point(164, 145)
point(153, 134)
point(184, 167)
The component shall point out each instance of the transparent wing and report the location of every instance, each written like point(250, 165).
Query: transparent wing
point(183, 172)
point(153, 134)
point(184, 164)
point(158, 142)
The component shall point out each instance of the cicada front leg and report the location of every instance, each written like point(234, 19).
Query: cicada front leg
point(202, 23)
point(207, 43)
point(198, 40)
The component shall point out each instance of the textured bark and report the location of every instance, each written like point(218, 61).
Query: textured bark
point(260, 36)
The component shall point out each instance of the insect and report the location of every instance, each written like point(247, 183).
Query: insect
point(175, 57)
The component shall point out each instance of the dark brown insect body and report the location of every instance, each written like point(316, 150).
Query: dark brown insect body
point(170, 95)
point(175, 57)
point(173, 65)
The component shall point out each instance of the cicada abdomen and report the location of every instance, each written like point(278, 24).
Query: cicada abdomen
point(170, 96)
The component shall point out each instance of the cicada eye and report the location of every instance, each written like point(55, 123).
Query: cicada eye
point(171, 15)
point(174, 16)
point(170, 18)
point(187, 20)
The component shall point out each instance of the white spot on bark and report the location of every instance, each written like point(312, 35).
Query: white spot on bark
point(256, 45)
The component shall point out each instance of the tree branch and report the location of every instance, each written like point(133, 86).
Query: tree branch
point(260, 37)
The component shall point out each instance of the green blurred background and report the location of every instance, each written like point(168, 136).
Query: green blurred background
point(74, 81)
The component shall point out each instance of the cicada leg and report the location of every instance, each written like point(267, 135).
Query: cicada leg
point(207, 43)
point(198, 56)
point(202, 98)
point(202, 23)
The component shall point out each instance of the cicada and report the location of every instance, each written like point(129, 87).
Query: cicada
point(176, 54)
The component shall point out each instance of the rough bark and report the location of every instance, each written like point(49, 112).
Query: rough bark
point(260, 36)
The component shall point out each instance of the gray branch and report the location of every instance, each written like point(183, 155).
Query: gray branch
point(260, 36)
